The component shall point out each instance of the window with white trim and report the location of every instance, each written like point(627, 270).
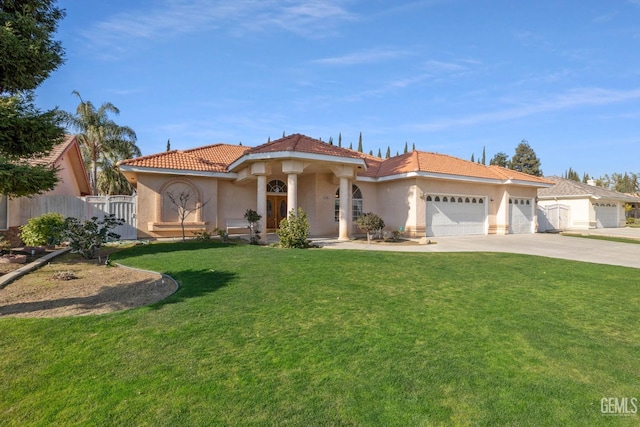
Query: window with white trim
point(356, 203)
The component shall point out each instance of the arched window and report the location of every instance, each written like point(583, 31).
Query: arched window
point(467, 200)
point(444, 199)
point(356, 203)
point(276, 186)
point(437, 199)
point(453, 199)
point(459, 199)
point(474, 200)
point(429, 198)
point(481, 200)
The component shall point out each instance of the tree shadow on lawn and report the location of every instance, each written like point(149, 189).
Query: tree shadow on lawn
point(168, 247)
point(194, 284)
point(107, 299)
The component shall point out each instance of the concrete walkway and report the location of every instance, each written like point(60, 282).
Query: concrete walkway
point(548, 245)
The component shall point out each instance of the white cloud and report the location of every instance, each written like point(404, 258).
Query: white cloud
point(363, 57)
point(571, 99)
point(311, 18)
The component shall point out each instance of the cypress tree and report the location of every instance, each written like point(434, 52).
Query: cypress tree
point(388, 155)
point(360, 143)
point(340, 139)
point(406, 147)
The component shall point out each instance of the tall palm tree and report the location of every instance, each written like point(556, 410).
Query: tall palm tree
point(103, 142)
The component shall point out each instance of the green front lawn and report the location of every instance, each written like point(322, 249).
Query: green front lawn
point(265, 336)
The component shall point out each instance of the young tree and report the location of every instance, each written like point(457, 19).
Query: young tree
point(183, 206)
point(370, 223)
point(100, 137)
point(253, 218)
point(28, 55)
point(525, 160)
point(500, 159)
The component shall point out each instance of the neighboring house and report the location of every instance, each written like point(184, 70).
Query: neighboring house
point(420, 193)
point(572, 205)
point(73, 181)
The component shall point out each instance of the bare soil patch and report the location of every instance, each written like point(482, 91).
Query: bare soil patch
point(72, 286)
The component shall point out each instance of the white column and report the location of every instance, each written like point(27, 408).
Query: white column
point(292, 193)
point(262, 206)
point(343, 215)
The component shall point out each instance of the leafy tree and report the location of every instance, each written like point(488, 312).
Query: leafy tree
point(360, 143)
point(627, 183)
point(525, 160)
point(370, 223)
point(88, 236)
point(294, 230)
point(102, 141)
point(28, 55)
point(500, 159)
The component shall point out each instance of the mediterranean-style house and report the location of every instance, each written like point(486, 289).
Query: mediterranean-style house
point(73, 181)
point(419, 193)
point(573, 205)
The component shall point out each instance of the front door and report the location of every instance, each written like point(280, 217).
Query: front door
point(276, 210)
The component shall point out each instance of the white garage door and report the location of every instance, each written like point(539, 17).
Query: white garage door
point(606, 215)
point(521, 219)
point(456, 215)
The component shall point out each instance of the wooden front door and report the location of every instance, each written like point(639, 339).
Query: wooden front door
point(276, 210)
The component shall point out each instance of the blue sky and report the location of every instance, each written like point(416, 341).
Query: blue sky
point(450, 76)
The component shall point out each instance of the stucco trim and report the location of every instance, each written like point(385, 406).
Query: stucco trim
point(280, 155)
point(180, 172)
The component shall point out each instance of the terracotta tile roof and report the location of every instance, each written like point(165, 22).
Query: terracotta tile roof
point(304, 144)
point(218, 157)
point(568, 188)
point(420, 161)
point(211, 158)
point(55, 153)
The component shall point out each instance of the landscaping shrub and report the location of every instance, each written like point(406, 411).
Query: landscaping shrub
point(253, 219)
point(294, 230)
point(43, 230)
point(370, 223)
point(88, 236)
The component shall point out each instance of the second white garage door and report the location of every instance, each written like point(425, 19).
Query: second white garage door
point(606, 215)
point(456, 215)
point(521, 218)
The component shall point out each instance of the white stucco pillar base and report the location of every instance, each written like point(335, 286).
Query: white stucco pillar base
point(262, 207)
point(343, 215)
point(292, 193)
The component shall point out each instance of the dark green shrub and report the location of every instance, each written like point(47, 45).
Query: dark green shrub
point(43, 230)
point(88, 236)
point(253, 219)
point(294, 230)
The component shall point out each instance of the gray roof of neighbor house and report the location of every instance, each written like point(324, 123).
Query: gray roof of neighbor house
point(567, 188)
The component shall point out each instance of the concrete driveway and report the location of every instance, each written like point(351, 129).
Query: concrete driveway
point(549, 245)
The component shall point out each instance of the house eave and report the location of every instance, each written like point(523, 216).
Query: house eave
point(297, 155)
point(182, 172)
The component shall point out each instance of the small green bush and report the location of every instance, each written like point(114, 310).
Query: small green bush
point(294, 230)
point(253, 218)
point(43, 230)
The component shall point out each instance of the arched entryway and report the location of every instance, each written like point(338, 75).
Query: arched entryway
point(276, 203)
